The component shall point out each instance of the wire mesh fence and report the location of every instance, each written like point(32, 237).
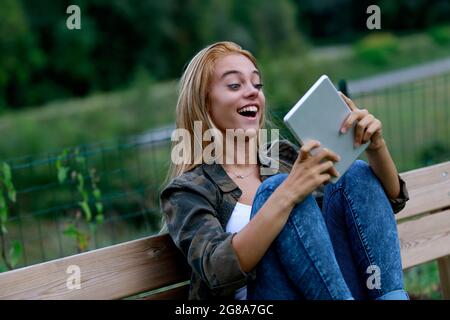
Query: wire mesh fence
point(416, 118)
point(96, 195)
point(84, 197)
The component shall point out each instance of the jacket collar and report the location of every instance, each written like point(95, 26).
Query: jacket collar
point(219, 176)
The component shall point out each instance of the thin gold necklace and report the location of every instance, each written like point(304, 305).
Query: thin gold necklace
point(240, 176)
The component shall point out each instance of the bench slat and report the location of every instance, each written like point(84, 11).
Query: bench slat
point(427, 175)
point(109, 273)
point(425, 239)
point(429, 190)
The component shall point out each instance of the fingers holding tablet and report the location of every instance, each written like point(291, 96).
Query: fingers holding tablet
point(322, 160)
point(305, 150)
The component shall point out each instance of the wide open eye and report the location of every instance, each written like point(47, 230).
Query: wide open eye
point(234, 86)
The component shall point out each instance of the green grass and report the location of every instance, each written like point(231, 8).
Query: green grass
point(102, 117)
point(422, 282)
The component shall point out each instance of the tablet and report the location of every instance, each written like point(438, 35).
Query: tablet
point(319, 115)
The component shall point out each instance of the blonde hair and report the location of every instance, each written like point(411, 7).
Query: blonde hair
point(193, 100)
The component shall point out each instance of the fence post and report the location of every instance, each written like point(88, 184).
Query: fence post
point(342, 86)
point(444, 275)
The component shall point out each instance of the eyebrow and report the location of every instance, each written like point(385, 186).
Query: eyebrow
point(226, 73)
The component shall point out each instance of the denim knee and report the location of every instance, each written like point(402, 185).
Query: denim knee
point(360, 168)
point(269, 185)
point(272, 182)
point(395, 295)
point(361, 173)
point(266, 188)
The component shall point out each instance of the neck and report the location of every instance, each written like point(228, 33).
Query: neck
point(240, 160)
point(240, 152)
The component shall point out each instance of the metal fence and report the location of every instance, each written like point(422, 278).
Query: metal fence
point(84, 197)
point(116, 185)
point(415, 117)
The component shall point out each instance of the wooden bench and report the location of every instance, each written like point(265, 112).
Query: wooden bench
point(152, 267)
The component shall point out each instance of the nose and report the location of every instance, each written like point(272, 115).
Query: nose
point(251, 91)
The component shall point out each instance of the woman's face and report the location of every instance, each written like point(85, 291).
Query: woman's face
point(236, 96)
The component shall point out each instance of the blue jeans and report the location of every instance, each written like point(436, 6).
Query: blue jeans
point(349, 250)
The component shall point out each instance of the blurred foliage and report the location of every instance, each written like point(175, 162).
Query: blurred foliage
point(435, 152)
point(149, 103)
point(86, 181)
point(20, 56)
point(377, 48)
point(120, 41)
point(7, 196)
point(440, 34)
point(41, 60)
point(345, 20)
point(422, 282)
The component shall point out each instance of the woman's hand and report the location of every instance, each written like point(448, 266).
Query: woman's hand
point(368, 128)
point(309, 172)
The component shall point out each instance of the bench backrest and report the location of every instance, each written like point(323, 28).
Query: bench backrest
point(150, 263)
point(424, 224)
point(113, 272)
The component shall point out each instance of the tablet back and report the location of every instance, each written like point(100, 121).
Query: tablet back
point(319, 115)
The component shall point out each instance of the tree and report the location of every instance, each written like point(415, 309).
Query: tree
point(19, 55)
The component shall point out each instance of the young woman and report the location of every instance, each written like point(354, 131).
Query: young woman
point(251, 234)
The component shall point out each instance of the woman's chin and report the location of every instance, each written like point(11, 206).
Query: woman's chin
point(250, 126)
point(249, 123)
point(249, 130)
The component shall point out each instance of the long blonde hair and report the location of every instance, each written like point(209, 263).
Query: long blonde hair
point(193, 99)
point(194, 104)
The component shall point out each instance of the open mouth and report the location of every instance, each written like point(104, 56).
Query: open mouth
point(248, 111)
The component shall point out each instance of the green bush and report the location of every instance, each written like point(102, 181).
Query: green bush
point(440, 34)
point(377, 48)
point(434, 152)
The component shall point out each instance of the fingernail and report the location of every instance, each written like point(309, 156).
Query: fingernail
point(356, 145)
point(343, 130)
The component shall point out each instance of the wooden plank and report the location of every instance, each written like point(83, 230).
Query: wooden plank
point(427, 175)
point(425, 239)
point(426, 199)
point(179, 293)
point(109, 273)
point(444, 275)
point(429, 190)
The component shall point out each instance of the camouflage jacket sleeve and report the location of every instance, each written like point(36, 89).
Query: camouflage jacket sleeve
point(191, 216)
point(400, 202)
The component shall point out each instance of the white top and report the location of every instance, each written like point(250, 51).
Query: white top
point(239, 218)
